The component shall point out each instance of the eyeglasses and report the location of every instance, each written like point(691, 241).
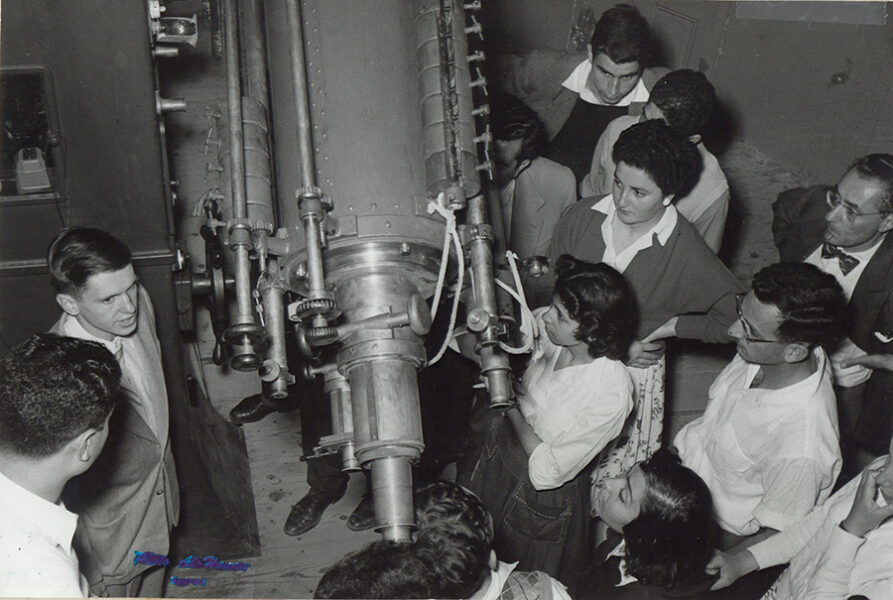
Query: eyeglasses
point(850, 213)
point(745, 326)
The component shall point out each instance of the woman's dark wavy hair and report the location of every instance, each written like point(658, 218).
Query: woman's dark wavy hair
point(511, 119)
point(601, 301)
point(668, 157)
point(811, 302)
point(668, 544)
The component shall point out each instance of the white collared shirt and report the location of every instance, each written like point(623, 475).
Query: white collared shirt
point(620, 260)
point(576, 82)
point(826, 561)
point(768, 456)
point(36, 556)
point(575, 411)
point(620, 552)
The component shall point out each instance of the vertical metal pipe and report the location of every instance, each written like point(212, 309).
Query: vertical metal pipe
point(234, 108)
point(302, 100)
point(391, 486)
point(240, 237)
point(254, 41)
point(309, 197)
point(274, 310)
point(494, 363)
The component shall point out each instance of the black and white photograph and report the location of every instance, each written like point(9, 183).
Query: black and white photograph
point(479, 299)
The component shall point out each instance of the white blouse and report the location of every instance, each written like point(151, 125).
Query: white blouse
point(575, 410)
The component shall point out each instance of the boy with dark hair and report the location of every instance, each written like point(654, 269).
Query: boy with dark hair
point(615, 75)
point(456, 530)
point(686, 101)
point(767, 444)
point(383, 569)
point(56, 398)
point(130, 500)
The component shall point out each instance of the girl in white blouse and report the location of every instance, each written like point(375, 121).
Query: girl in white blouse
point(575, 396)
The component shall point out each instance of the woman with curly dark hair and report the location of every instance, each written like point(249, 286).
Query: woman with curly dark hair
point(575, 396)
point(681, 287)
point(660, 518)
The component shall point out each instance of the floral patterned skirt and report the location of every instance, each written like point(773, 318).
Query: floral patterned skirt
point(641, 434)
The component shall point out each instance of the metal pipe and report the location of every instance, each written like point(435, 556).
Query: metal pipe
point(391, 485)
point(245, 332)
point(494, 363)
point(302, 101)
point(310, 202)
point(274, 310)
point(234, 109)
point(254, 42)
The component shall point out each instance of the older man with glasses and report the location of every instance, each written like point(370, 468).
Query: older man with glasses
point(767, 444)
point(843, 231)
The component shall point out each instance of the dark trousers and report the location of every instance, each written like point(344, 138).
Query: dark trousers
point(323, 474)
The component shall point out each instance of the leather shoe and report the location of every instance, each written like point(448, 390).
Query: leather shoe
point(363, 516)
point(306, 514)
point(254, 408)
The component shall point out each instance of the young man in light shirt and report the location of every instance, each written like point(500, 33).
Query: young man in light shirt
point(56, 397)
point(767, 444)
point(130, 500)
point(842, 549)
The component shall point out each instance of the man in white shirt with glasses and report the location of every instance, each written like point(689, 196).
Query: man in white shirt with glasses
point(767, 443)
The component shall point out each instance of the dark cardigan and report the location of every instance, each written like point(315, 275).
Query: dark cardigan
point(683, 277)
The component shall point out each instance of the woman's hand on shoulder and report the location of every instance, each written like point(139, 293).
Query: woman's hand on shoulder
point(644, 354)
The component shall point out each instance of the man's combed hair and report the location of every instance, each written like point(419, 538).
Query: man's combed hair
point(668, 544)
point(600, 299)
point(52, 389)
point(511, 119)
point(383, 569)
point(77, 253)
point(811, 302)
point(667, 156)
point(687, 100)
point(456, 529)
point(622, 34)
point(880, 168)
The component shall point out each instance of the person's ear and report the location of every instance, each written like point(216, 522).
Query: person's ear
point(796, 352)
point(886, 223)
point(493, 562)
point(69, 304)
point(668, 199)
point(89, 445)
point(695, 139)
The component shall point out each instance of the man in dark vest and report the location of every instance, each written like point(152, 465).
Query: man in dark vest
point(614, 78)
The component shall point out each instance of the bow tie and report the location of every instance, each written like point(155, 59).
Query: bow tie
point(846, 262)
